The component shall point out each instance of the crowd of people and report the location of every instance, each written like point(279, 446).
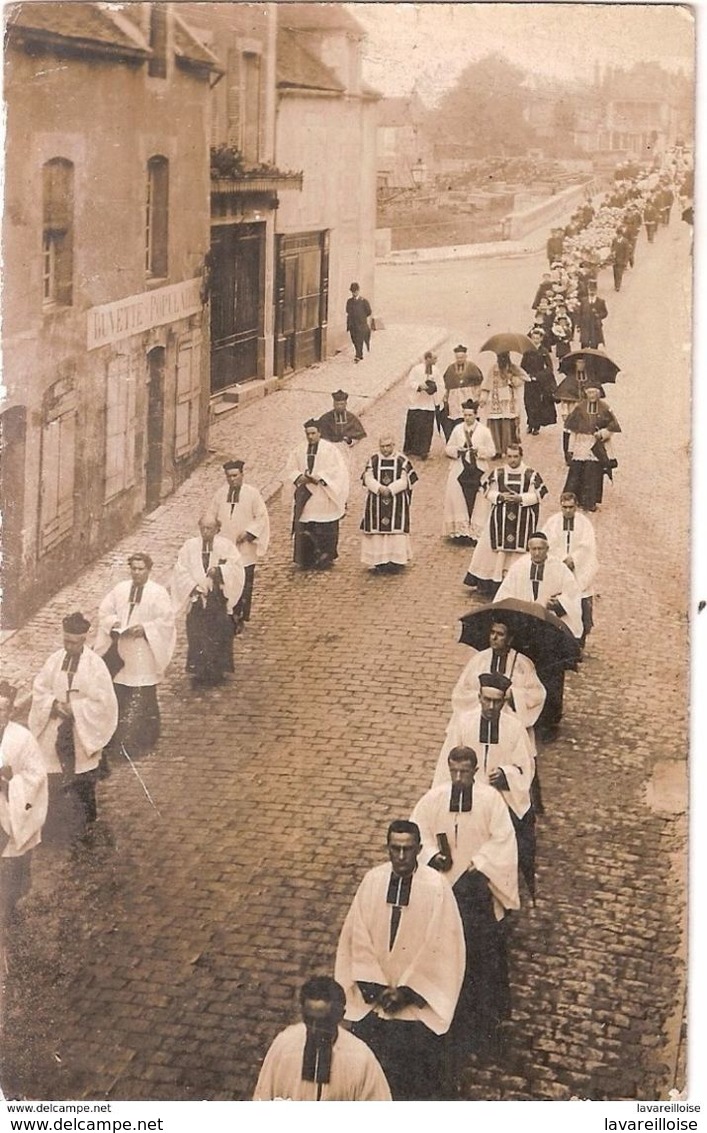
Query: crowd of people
point(422, 968)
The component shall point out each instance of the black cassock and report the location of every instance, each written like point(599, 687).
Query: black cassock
point(539, 392)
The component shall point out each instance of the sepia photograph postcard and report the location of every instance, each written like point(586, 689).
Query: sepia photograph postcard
point(350, 497)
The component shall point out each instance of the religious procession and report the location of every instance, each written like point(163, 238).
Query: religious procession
point(422, 976)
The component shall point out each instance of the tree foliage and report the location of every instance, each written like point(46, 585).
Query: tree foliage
point(484, 109)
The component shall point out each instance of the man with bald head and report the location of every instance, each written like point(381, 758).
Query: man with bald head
point(388, 478)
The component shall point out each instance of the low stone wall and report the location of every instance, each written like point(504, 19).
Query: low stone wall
point(518, 224)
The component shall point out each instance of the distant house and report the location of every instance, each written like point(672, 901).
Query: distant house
point(325, 126)
point(106, 230)
point(295, 222)
point(639, 113)
point(402, 143)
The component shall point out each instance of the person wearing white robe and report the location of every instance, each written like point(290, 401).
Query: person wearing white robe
point(400, 960)
point(424, 384)
point(244, 519)
point(506, 760)
point(479, 860)
point(471, 447)
point(526, 695)
point(137, 617)
point(317, 1060)
point(538, 577)
point(388, 478)
point(321, 480)
point(571, 539)
point(23, 805)
point(73, 715)
point(207, 581)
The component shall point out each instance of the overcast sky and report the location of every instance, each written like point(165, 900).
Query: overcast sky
point(428, 44)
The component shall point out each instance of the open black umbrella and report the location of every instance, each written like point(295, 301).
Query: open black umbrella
point(598, 366)
point(569, 389)
point(508, 343)
point(537, 632)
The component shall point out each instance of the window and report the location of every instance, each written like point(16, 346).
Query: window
point(157, 66)
point(156, 217)
point(57, 232)
point(188, 396)
point(233, 98)
point(308, 288)
point(251, 107)
point(120, 428)
point(56, 513)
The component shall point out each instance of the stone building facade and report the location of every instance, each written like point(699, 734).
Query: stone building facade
point(106, 230)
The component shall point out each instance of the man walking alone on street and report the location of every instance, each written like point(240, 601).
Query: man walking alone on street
point(358, 312)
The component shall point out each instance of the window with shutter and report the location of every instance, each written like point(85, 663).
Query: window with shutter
point(186, 436)
point(251, 106)
point(57, 232)
point(120, 428)
point(233, 98)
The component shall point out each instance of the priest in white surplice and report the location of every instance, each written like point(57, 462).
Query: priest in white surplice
point(23, 805)
point(321, 480)
point(207, 581)
point(471, 447)
point(73, 716)
point(137, 618)
point(317, 1060)
point(506, 761)
point(539, 577)
point(401, 963)
point(467, 835)
point(572, 540)
point(241, 511)
point(526, 695)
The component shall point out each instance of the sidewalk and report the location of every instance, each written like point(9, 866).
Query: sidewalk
point(261, 433)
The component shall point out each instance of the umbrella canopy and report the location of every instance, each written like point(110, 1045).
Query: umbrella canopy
point(472, 376)
point(598, 366)
point(569, 389)
point(537, 632)
point(508, 343)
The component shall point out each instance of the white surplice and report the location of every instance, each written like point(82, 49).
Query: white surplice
point(355, 1074)
point(557, 582)
point(145, 658)
point(327, 501)
point(249, 516)
point(512, 753)
point(482, 837)
point(456, 516)
point(94, 705)
point(527, 690)
point(24, 809)
point(429, 953)
point(189, 571)
point(579, 544)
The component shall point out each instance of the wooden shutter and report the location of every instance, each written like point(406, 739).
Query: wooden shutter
point(57, 478)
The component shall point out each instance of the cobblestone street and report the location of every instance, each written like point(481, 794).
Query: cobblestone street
point(161, 962)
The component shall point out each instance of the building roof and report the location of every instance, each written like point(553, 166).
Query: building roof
point(299, 69)
point(318, 17)
point(77, 24)
point(189, 50)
